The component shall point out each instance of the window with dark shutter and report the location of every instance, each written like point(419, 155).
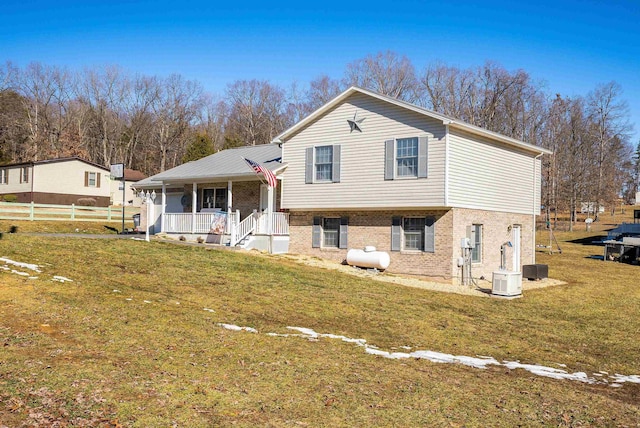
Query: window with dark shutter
point(344, 226)
point(430, 235)
point(308, 171)
point(336, 164)
point(396, 233)
point(316, 232)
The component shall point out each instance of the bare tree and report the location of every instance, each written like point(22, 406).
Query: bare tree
point(256, 111)
point(386, 73)
point(610, 131)
point(174, 110)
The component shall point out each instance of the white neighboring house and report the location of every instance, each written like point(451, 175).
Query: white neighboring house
point(63, 181)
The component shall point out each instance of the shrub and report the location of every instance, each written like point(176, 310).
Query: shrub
point(9, 198)
point(200, 239)
point(87, 202)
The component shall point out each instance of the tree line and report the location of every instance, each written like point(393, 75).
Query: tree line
point(150, 123)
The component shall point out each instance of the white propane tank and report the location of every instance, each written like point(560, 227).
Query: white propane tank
point(368, 259)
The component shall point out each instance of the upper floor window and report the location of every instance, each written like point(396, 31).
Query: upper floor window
point(24, 174)
point(4, 176)
point(322, 164)
point(405, 157)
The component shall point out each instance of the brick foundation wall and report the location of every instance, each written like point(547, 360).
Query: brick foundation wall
point(496, 230)
point(374, 228)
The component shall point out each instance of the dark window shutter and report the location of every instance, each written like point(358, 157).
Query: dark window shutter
point(430, 235)
point(344, 226)
point(336, 164)
point(308, 171)
point(396, 233)
point(97, 179)
point(422, 157)
point(86, 179)
point(388, 159)
point(316, 232)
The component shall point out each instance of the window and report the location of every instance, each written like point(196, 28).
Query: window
point(91, 179)
point(322, 164)
point(24, 174)
point(476, 243)
point(413, 234)
point(4, 176)
point(329, 232)
point(405, 158)
point(214, 198)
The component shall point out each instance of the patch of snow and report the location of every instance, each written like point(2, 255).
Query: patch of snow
point(30, 266)
point(61, 279)
point(17, 272)
point(117, 291)
point(479, 362)
point(129, 299)
point(207, 309)
point(237, 328)
point(147, 301)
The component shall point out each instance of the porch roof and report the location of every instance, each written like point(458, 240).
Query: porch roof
point(224, 165)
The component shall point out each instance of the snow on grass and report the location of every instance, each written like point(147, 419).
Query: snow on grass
point(479, 361)
point(237, 328)
point(30, 266)
point(62, 279)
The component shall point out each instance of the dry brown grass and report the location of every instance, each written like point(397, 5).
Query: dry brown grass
point(79, 353)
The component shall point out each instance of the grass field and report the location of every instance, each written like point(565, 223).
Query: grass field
point(135, 339)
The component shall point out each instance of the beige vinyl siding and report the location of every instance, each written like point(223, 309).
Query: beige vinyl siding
point(14, 185)
point(68, 178)
point(490, 176)
point(362, 184)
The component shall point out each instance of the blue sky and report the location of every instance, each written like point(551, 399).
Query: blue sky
point(570, 45)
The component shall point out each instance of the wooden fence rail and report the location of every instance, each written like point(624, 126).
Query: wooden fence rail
point(48, 212)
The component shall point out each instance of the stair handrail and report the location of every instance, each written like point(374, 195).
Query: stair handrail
point(244, 229)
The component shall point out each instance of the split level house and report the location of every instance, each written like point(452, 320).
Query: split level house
point(370, 170)
point(63, 181)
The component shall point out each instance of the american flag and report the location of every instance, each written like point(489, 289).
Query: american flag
point(270, 177)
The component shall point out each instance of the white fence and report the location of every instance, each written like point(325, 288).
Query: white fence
point(49, 212)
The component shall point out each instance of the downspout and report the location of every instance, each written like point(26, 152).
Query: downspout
point(533, 211)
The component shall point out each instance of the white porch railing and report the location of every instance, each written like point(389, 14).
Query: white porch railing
point(256, 223)
point(279, 224)
point(184, 222)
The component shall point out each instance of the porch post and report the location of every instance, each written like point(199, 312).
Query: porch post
point(269, 210)
point(229, 196)
point(164, 207)
point(194, 202)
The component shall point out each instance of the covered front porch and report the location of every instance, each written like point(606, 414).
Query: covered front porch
point(235, 213)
